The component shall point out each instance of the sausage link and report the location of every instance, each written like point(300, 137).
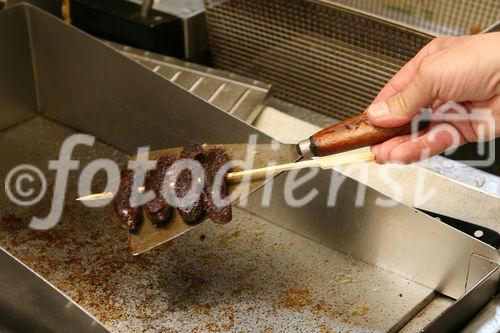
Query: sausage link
point(192, 210)
point(215, 160)
point(158, 210)
point(128, 215)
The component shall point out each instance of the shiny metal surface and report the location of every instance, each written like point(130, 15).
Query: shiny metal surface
point(464, 174)
point(455, 317)
point(487, 320)
point(478, 205)
point(169, 115)
point(304, 146)
point(427, 314)
point(17, 97)
point(28, 303)
point(399, 239)
point(479, 267)
point(247, 275)
point(242, 97)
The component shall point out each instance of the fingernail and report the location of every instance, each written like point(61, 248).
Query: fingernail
point(378, 110)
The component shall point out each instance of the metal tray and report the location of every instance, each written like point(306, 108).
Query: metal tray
point(345, 267)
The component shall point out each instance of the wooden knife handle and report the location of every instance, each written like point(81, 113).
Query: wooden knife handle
point(352, 133)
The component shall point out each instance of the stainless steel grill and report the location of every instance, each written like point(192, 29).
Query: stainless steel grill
point(281, 268)
point(317, 55)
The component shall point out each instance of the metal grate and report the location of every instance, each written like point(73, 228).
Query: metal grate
point(451, 17)
point(317, 55)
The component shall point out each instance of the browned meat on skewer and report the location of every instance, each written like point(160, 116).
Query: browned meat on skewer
point(192, 208)
point(193, 151)
point(128, 215)
point(205, 197)
point(158, 209)
point(216, 158)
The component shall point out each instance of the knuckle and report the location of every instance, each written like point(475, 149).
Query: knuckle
point(402, 103)
point(446, 136)
point(437, 43)
point(442, 138)
point(426, 77)
point(425, 69)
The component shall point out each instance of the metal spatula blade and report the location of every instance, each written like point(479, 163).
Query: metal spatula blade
point(148, 237)
point(355, 132)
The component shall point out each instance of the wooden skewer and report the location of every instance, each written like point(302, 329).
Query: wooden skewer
point(322, 162)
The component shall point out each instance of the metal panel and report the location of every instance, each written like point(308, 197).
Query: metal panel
point(226, 96)
point(245, 107)
point(185, 80)
point(479, 267)
point(486, 321)
point(17, 86)
point(206, 88)
point(30, 304)
point(240, 96)
point(51, 6)
point(455, 317)
point(399, 239)
point(111, 86)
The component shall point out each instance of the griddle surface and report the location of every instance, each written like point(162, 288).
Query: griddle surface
point(248, 275)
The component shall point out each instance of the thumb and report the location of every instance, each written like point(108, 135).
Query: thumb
point(400, 108)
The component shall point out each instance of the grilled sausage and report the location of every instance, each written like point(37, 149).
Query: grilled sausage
point(192, 210)
point(193, 151)
point(158, 210)
point(216, 158)
point(128, 215)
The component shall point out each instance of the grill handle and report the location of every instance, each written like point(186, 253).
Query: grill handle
point(352, 133)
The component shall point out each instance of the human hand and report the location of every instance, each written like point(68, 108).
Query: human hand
point(465, 70)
